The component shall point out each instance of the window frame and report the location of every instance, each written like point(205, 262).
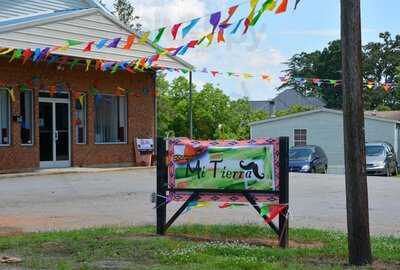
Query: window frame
point(294, 136)
point(33, 118)
point(126, 122)
point(85, 129)
point(9, 119)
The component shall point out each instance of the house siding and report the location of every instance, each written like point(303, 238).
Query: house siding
point(326, 130)
point(140, 114)
point(85, 28)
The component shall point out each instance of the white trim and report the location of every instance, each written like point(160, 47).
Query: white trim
point(55, 163)
point(306, 129)
point(126, 121)
point(9, 119)
point(318, 111)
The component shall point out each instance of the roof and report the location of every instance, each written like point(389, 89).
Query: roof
point(393, 115)
point(49, 24)
point(285, 99)
point(319, 111)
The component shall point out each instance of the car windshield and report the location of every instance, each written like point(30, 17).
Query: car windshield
point(300, 154)
point(374, 150)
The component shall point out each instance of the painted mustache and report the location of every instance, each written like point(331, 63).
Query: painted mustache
point(252, 166)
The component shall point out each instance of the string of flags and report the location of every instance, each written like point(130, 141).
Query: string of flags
point(370, 84)
point(218, 24)
point(36, 84)
point(113, 67)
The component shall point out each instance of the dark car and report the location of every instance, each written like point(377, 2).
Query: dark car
point(381, 159)
point(308, 159)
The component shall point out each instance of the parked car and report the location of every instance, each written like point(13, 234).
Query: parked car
point(381, 159)
point(308, 159)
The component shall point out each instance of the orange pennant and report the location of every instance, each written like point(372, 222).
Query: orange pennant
point(221, 36)
point(129, 42)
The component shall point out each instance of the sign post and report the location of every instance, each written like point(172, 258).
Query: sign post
point(254, 171)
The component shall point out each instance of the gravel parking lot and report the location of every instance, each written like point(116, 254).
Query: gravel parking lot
point(68, 201)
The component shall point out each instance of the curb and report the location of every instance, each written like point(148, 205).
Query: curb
point(71, 171)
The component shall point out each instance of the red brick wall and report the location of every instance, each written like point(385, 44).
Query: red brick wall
point(140, 113)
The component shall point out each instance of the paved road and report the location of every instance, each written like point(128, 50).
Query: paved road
point(123, 198)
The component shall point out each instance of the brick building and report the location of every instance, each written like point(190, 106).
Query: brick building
point(66, 112)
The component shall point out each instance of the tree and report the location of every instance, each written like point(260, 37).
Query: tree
point(381, 61)
point(215, 115)
point(125, 11)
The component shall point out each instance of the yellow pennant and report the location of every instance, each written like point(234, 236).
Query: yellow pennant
point(88, 62)
point(247, 76)
point(82, 100)
point(270, 5)
point(6, 50)
point(12, 95)
point(210, 38)
point(143, 39)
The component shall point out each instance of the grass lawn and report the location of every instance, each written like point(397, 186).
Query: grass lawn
point(188, 247)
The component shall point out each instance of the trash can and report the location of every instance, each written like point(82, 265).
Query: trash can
point(144, 149)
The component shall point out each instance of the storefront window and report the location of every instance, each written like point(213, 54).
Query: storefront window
point(111, 119)
point(81, 120)
point(4, 117)
point(26, 101)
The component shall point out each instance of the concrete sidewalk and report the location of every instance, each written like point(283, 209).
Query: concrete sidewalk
point(71, 170)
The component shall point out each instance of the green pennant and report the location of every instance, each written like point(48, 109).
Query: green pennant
point(114, 69)
point(73, 63)
point(184, 71)
point(159, 35)
point(264, 210)
point(231, 73)
point(201, 40)
point(257, 17)
point(93, 91)
point(23, 88)
point(71, 42)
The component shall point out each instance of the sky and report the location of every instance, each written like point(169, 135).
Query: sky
point(267, 46)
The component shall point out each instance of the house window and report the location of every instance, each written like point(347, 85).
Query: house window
point(111, 116)
point(300, 137)
point(4, 117)
point(80, 106)
point(26, 111)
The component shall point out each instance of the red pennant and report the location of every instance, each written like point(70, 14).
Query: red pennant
point(274, 211)
point(76, 95)
point(282, 7)
point(246, 25)
point(265, 77)
point(88, 47)
point(192, 43)
point(26, 55)
point(129, 42)
point(174, 30)
point(214, 73)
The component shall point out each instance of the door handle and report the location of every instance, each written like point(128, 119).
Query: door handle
point(56, 135)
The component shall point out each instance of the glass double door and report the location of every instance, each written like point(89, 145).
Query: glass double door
point(54, 123)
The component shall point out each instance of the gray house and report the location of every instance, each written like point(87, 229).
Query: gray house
point(324, 127)
point(286, 99)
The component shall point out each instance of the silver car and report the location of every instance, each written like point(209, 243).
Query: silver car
point(381, 159)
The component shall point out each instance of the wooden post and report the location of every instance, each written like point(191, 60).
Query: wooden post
point(161, 186)
point(284, 191)
point(190, 106)
point(354, 136)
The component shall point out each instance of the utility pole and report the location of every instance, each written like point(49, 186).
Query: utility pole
point(354, 136)
point(190, 106)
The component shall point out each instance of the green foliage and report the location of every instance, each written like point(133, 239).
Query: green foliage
point(125, 12)
point(200, 247)
point(381, 63)
point(215, 115)
point(294, 109)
